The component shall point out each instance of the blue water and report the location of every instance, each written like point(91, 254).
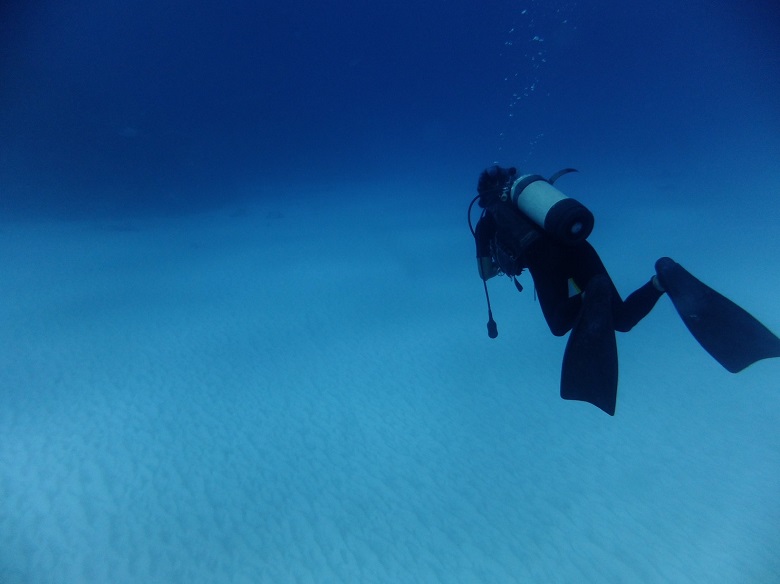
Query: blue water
point(242, 337)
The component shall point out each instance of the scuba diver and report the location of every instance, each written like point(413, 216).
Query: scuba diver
point(527, 223)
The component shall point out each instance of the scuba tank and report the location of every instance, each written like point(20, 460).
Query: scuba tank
point(562, 217)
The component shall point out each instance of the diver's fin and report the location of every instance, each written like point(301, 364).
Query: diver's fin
point(727, 332)
point(590, 362)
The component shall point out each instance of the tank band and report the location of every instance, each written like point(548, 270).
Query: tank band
point(522, 183)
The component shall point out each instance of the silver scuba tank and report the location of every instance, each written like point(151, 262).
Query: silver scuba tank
point(563, 217)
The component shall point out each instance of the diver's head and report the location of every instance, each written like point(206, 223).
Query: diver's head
point(493, 182)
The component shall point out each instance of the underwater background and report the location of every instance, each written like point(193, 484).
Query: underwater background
point(242, 334)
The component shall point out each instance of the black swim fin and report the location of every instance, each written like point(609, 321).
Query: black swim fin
point(727, 332)
point(590, 362)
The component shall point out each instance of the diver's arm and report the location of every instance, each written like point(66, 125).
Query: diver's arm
point(483, 233)
point(487, 268)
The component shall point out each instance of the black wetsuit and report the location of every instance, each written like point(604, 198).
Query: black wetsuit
point(552, 264)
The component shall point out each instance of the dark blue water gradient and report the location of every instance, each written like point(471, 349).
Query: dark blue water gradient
point(173, 106)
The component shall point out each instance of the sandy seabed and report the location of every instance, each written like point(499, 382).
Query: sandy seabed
point(307, 394)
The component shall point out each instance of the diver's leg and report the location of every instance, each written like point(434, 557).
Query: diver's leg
point(549, 270)
point(585, 264)
point(625, 313)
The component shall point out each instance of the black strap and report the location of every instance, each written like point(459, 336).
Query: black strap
point(560, 173)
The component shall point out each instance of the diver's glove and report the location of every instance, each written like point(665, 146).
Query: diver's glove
point(492, 183)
